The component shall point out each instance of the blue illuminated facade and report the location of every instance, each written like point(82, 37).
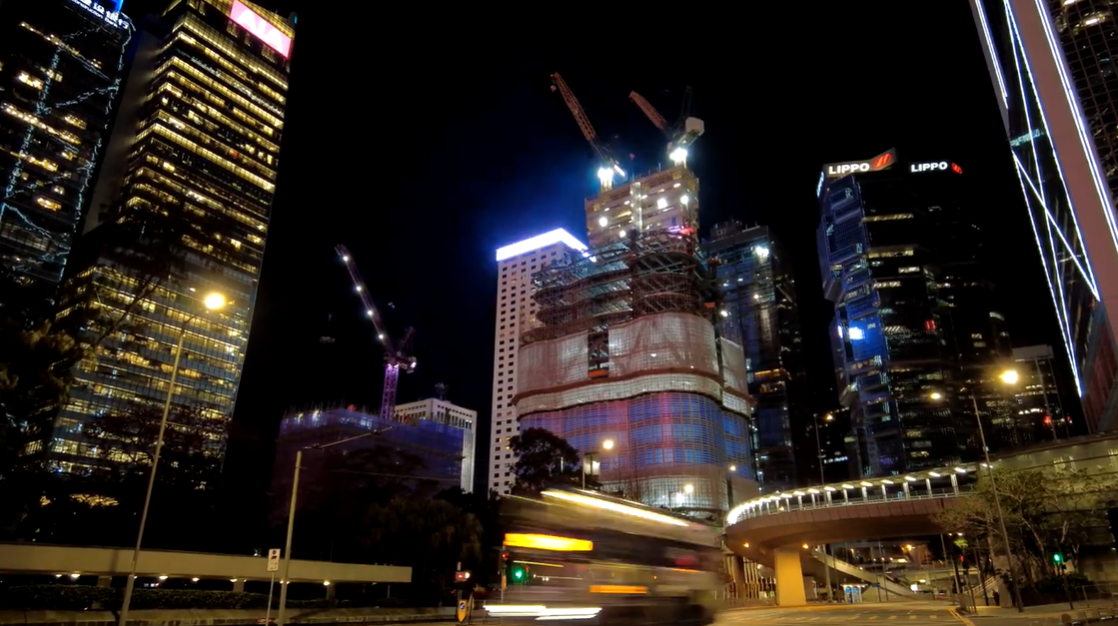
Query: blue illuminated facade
point(759, 312)
point(665, 442)
point(884, 238)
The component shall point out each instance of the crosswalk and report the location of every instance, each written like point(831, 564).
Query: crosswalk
point(792, 617)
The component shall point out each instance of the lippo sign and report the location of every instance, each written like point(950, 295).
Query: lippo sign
point(879, 162)
point(259, 27)
point(934, 166)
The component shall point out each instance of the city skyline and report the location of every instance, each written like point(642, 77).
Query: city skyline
point(494, 203)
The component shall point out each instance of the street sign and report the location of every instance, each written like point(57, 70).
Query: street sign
point(273, 559)
point(462, 611)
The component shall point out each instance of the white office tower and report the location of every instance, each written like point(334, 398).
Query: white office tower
point(516, 313)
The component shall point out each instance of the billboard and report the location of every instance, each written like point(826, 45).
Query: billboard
point(260, 28)
point(880, 162)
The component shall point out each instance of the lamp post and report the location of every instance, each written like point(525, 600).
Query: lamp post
point(212, 302)
point(590, 457)
point(281, 615)
point(1008, 377)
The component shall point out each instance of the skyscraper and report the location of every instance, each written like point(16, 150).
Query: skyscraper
point(1041, 415)
point(626, 352)
point(1052, 70)
point(516, 314)
point(912, 347)
point(759, 312)
point(197, 140)
point(61, 65)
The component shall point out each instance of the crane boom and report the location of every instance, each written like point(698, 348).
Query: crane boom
point(651, 113)
point(609, 162)
point(682, 134)
point(396, 355)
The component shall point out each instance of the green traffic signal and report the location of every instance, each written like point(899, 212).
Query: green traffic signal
point(1057, 558)
point(518, 574)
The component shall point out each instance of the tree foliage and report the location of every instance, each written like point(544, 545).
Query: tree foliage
point(430, 535)
point(1044, 514)
point(543, 459)
point(103, 503)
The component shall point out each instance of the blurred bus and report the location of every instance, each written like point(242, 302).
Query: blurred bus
point(575, 555)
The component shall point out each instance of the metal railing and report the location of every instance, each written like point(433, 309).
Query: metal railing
point(944, 483)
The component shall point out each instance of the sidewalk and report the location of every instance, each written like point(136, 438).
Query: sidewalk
point(1044, 615)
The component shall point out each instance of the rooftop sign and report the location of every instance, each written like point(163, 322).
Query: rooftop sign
point(259, 27)
point(879, 162)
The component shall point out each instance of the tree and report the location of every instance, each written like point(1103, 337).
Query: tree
point(103, 504)
point(1044, 514)
point(430, 535)
point(543, 458)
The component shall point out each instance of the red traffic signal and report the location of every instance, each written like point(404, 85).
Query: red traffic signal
point(961, 558)
point(1047, 420)
point(504, 556)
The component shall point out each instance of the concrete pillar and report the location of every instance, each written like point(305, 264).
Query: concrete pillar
point(330, 591)
point(104, 581)
point(239, 585)
point(789, 577)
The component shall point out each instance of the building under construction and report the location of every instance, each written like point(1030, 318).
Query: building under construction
point(622, 358)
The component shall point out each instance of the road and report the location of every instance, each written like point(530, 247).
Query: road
point(922, 614)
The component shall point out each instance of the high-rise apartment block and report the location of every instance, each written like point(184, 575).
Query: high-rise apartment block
point(759, 313)
point(197, 138)
point(516, 314)
point(624, 349)
point(61, 66)
point(915, 333)
point(1051, 67)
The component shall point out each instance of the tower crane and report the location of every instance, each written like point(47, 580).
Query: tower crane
point(396, 354)
point(680, 135)
point(609, 164)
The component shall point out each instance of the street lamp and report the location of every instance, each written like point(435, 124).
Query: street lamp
point(212, 302)
point(281, 617)
point(1008, 377)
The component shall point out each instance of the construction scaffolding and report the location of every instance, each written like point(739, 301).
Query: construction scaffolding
point(658, 271)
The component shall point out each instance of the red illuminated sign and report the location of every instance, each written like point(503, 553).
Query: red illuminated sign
point(258, 26)
point(956, 169)
point(882, 160)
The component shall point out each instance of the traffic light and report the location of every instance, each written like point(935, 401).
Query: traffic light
point(1057, 558)
point(519, 574)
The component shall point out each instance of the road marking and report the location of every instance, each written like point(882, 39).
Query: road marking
point(892, 617)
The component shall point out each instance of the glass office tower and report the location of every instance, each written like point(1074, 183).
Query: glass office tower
point(198, 136)
point(61, 65)
point(915, 334)
point(1052, 68)
point(759, 312)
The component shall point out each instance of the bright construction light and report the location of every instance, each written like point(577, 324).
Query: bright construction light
point(733, 468)
point(829, 417)
point(936, 395)
point(214, 301)
point(607, 444)
point(762, 252)
point(679, 155)
point(688, 488)
point(603, 221)
point(685, 199)
point(162, 578)
point(662, 203)
point(605, 176)
point(1009, 377)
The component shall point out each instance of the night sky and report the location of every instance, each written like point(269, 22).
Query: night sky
point(424, 139)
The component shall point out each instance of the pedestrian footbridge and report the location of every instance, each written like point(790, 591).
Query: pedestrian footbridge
point(781, 530)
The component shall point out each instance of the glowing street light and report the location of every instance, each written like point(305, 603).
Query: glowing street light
point(1009, 377)
point(607, 444)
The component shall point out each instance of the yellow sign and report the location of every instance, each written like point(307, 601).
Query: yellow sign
point(462, 611)
point(548, 542)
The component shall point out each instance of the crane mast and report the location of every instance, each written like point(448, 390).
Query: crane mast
point(396, 354)
point(680, 136)
point(609, 164)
